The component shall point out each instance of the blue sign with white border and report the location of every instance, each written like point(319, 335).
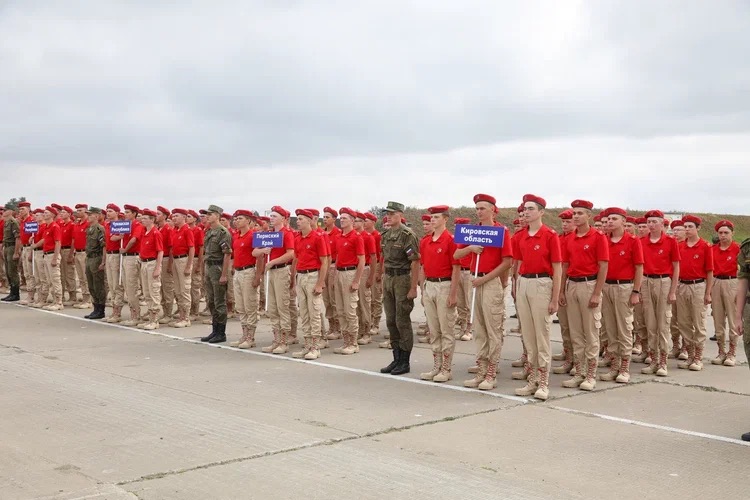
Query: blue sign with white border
point(30, 227)
point(268, 239)
point(484, 236)
point(120, 227)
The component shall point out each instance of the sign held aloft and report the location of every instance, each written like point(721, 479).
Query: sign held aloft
point(120, 227)
point(268, 239)
point(484, 236)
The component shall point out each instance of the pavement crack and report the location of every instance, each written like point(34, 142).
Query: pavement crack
point(704, 388)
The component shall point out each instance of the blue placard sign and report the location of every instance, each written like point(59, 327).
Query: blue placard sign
point(120, 227)
point(268, 239)
point(30, 227)
point(484, 236)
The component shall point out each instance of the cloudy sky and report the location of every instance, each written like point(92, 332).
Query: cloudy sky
point(642, 104)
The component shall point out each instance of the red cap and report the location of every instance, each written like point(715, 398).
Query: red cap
point(615, 211)
point(566, 214)
point(121, 216)
point(631, 219)
point(314, 211)
point(244, 213)
point(56, 206)
point(192, 213)
point(484, 197)
point(51, 209)
point(520, 208)
point(78, 205)
point(163, 210)
point(264, 218)
point(516, 222)
point(597, 218)
point(640, 220)
point(692, 218)
point(349, 211)
point(225, 215)
point(426, 217)
point(582, 204)
point(718, 225)
point(654, 213)
point(536, 199)
point(461, 220)
point(281, 211)
point(360, 215)
point(113, 207)
point(304, 211)
point(149, 212)
point(439, 209)
point(677, 223)
point(202, 211)
point(180, 211)
point(24, 204)
point(132, 208)
point(331, 211)
point(67, 209)
point(371, 216)
point(38, 211)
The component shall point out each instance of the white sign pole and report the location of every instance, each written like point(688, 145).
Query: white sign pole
point(268, 259)
point(121, 242)
point(33, 260)
point(474, 290)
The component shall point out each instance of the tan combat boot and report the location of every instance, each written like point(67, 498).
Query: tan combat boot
point(364, 339)
point(590, 382)
point(732, 353)
point(28, 300)
point(697, 364)
point(437, 364)
point(479, 377)
point(605, 358)
point(475, 368)
point(653, 365)
point(237, 343)
point(614, 371)
point(641, 358)
point(675, 346)
point(523, 374)
point(542, 392)
point(345, 336)
point(283, 346)
point(520, 362)
point(183, 320)
point(490, 378)
point(719, 360)
point(661, 369)
point(249, 342)
point(314, 352)
point(334, 332)
point(350, 345)
point(153, 323)
point(560, 356)
point(567, 364)
point(624, 376)
point(134, 317)
point(577, 379)
point(690, 354)
point(306, 347)
point(385, 345)
point(276, 342)
point(116, 315)
point(532, 384)
point(445, 368)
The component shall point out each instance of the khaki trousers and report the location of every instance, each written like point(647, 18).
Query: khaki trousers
point(618, 318)
point(80, 271)
point(489, 316)
point(131, 267)
point(42, 278)
point(364, 312)
point(441, 319)
point(584, 321)
point(562, 315)
point(329, 297)
point(151, 287)
point(279, 299)
point(67, 272)
point(533, 296)
point(463, 297)
point(657, 312)
point(310, 305)
point(28, 270)
point(691, 312)
point(639, 322)
point(3, 273)
point(346, 302)
point(246, 297)
point(376, 304)
point(167, 290)
point(53, 275)
point(181, 284)
point(723, 297)
point(116, 290)
point(196, 288)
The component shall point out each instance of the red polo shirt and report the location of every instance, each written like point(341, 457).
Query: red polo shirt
point(51, 235)
point(309, 249)
point(437, 255)
point(725, 261)
point(166, 237)
point(66, 233)
point(79, 235)
point(199, 236)
point(623, 257)
point(537, 253)
point(348, 247)
point(332, 235)
point(136, 233)
point(112, 246)
point(370, 249)
point(183, 239)
point(151, 243)
point(583, 253)
point(493, 256)
point(26, 237)
point(288, 243)
point(378, 238)
point(695, 261)
point(658, 257)
point(242, 246)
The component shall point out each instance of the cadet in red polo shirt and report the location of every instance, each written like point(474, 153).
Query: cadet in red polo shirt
point(620, 294)
point(694, 291)
point(376, 268)
point(131, 265)
point(423, 332)
point(150, 255)
point(40, 271)
point(80, 225)
point(679, 346)
point(724, 292)
point(364, 311)
point(329, 296)
point(67, 262)
point(463, 326)
point(24, 216)
point(661, 269)
point(182, 255)
point(248, 273)
point(196, 280)
point(167, 276)
point(51, 248)
point(489, 304)
point(112, 264)
point(310, 266)
point(442, 274)
point(585, 261)
point(350, 265)
point(566, 218)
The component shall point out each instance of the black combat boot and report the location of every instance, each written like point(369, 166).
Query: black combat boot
point(403, 364)
point(214, 329)
point(221, 334)
point(98, 312)
point(14, 295)
point(396, 357)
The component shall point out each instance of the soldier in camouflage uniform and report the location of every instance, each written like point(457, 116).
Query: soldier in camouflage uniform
point(216, 257)
point(742, 318)
point(11, 252)
point(95, 246)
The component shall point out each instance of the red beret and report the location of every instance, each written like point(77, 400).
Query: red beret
point(516, 222)
point(520, 208)
point(67, 209)
point(631, 219)
point(461, 220)
point(225, 215)
point(314, 211)
point(371, 216)
point(615, 211)
point(426, 217)
point(719, 225)
point(56, 206)
point(38, 211)
point(264, 218)
point(640, 220)
point(180, 211)
point(281, 211)
point(677, 223)
point(192, 213)
point(439, 209)
point(566, 214)
point(113, 207)
point(121, 216)
point(692, 218)
point(149, 212)
point(331, 211)
point(24, 204)
point(403, 220)
point(163, 210)
point(202, 211)
point(304, 211)
point(244, 213)
point(654, 213)
point(52, 210)
point(80, 205)
point(536, 199)
point(360, 215)
point(582, 204)
point(597, 218)
point(484, 197)
point(348, 211)
point(132, 208)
